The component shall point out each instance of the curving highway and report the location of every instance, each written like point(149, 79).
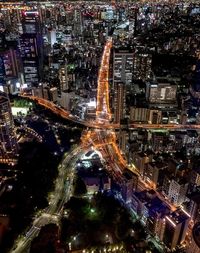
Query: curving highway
point(60, 195)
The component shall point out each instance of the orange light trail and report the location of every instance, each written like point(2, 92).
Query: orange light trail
point(103, 108)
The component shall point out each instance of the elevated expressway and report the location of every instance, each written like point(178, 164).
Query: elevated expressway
point(104, 124)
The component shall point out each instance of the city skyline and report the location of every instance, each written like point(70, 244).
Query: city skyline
point(109, 92)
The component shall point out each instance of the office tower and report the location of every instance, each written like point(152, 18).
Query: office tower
point(8, 142)
point(123, 141)
point(31, 47)
point(52, 36)
point(177, 190)
point(78, 23)
point(122, 66)
point(176, 225)
point(158, 140)
point(31, 22)
point(129, 185)
point(140, 161)
point(53, 94)
point(154, 174)
point(194, 246)
point(157, 210)
point(11, 62)
point(63, 77)
point(119, 102)
point(142, 66)
point(161, 93)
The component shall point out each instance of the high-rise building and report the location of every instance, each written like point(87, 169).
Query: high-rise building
point(153, 174)
point(123, 141)
point(11, 62)
point(130, 181)
point(140, 161)
point(8, 141)
point(119, 102)
point(142, 66)
point(63, 77)
point(123, 66)
point(177, 191)
point(31, 22)
point(176, 225)
point(31, 47)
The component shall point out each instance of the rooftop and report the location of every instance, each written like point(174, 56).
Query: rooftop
point(178, 216)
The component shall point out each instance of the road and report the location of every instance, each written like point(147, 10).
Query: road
point(96, 124)
point(60, 195)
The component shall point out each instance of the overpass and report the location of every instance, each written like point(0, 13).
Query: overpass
point(99, 124)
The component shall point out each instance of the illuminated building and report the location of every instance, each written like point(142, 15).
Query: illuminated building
point(151, 210)
point(158, 139)
point(122, 66)
point(156, 219)
point(66, 99)
point(53, 94)
point(140, 161)
point(176, 225)
point(63, 77)
point(142, 66)
point(194, 246)
point(130, 181)
point(37, 92)
point(31, 47)
point(153, 174)
point(78, 25)
point(175, 188)
point(123, 141)
point(46, 93)
point(52, 36)
point(11, 62)
point(161, 93)
point(8, 142)
point(30, 22)
point(119, 102)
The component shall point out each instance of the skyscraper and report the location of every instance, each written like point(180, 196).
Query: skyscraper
point(31, 47)
point(8, 142)
point(176, 225)
point(119, 102)
point(122, 66)
point(142, 66)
